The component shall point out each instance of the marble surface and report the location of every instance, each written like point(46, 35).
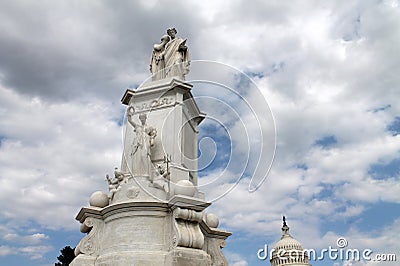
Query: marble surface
point(153, 213)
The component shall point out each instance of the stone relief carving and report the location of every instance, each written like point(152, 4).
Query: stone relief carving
point(155, 103)
point(143, 140)
point(133, 192)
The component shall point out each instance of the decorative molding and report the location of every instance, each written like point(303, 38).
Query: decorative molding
point(188, 215)
point(187, 202)
point(214, 249)
point(154, 104)
point(186, 228)
point(214, 242)
point(121, 207)
point(90, 244)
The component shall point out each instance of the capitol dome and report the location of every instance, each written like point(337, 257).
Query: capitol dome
point(288, 251)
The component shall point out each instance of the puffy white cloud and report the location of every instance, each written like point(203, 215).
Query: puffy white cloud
point(28, 239)
point(6, 250)
point(34, 252)
point(54, 155)
point(235, 259)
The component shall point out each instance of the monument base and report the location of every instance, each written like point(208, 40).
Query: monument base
point(187, 256)
point(131, 259)
point(83, 260)
point(170, 233)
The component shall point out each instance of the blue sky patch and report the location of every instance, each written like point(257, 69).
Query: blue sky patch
point(242, 243)
point(2, 138)
point(242, 84)
point(327, 191)
point(302, 166)
point(255, 74)
point(56, 240)
point(394, 127)
point(221, 138)
point(120, 120)
point(326, 142)
point(383, 171)
point(378, 216)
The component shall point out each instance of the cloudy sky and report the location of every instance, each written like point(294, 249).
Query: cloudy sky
point(330, 72)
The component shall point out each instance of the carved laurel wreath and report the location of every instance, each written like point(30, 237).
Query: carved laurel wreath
point(132, 192)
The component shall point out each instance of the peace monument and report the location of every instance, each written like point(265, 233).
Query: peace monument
point(154, 213)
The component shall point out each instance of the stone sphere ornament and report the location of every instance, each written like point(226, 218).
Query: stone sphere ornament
point(212, 220)
point(99, 199)
point(185, 187)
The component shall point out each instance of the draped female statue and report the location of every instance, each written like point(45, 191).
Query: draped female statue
point(170, 58)
point(177, 59)
point(144, 139)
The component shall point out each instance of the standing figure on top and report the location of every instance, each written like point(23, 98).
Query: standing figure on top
point(170, 58)
point(176, 56)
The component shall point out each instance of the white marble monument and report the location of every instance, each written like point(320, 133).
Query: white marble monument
point(153, 213)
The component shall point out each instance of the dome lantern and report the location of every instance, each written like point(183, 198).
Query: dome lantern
point(288, 251)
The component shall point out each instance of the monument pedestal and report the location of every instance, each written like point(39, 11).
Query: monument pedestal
point(148, 233)
point(187, 256)
point(170, 109)
point(158, 218)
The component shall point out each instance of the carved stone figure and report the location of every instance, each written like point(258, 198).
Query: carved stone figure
point(141, 146)
point(154, 211)
point(120, 176)
point(176, 56)
point(157, 62)
point(114, 184)
point(161, 180)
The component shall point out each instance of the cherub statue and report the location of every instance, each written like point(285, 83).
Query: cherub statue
point(114, 185)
